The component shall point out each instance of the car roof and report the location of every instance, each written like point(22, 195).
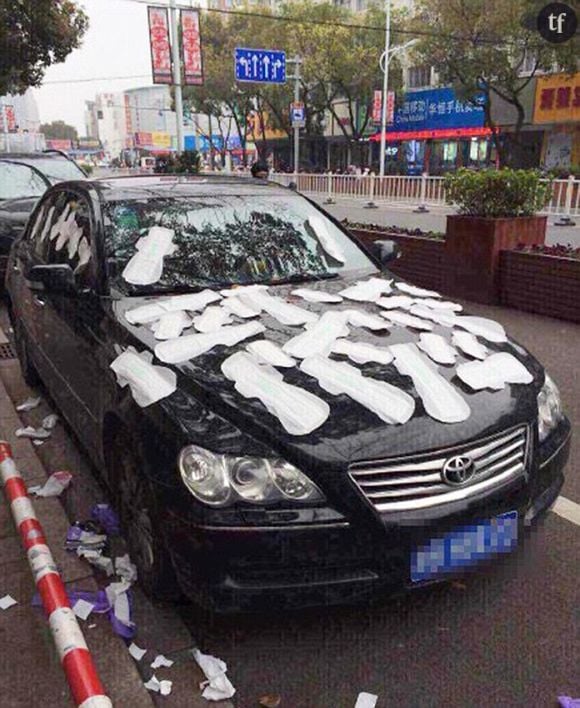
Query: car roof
point(180, 186)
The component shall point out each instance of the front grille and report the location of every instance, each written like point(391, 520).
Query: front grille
point(403, 485)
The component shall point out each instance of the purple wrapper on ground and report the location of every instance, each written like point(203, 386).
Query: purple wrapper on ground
point(567, 702)
point(107, 518)
point(73, 535)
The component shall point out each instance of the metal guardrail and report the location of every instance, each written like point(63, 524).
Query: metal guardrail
point(422, 191)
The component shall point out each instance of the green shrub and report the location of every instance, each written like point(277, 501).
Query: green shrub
point(497, 193)
point(188, 162)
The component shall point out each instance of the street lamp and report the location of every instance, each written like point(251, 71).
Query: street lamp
point(385, 87)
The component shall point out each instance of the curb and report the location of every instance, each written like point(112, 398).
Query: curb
point(68, 638)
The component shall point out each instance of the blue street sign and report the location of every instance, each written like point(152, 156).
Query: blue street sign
point(297, 113)
point(261, 65)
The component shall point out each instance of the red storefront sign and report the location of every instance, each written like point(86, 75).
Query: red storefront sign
point(436, 134)
point(143, 139)
point(160, 45)
point(59, 144)
point(191, 47)
point(390, 107)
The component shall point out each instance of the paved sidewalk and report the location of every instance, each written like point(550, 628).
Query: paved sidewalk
point(30, 671)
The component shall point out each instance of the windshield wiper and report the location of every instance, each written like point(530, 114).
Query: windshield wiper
point(302, 278)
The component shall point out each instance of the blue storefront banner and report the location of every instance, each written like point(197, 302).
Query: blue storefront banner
point(434, 109)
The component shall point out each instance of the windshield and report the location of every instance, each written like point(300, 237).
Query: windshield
point(18, 181)
point(58, 169)
point(221, 241)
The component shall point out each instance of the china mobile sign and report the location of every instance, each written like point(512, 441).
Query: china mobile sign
point(160, 43)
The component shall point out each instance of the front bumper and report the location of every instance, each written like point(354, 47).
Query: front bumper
point(248, 568)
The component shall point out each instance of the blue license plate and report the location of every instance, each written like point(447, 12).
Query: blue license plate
point(464, 547)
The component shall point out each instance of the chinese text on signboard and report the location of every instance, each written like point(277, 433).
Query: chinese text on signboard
point(160, 45)
point(191, 47)
point(557, 99)
point(432, 109)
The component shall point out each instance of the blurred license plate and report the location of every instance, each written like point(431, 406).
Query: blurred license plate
point(464, 547)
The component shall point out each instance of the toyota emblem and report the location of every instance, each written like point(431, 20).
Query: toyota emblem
point(458, 470)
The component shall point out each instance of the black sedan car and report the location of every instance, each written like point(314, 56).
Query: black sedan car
point(24, 177)
point(280, 420)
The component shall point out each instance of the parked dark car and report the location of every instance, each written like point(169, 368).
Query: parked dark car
point(216, 497)
point(24, 177)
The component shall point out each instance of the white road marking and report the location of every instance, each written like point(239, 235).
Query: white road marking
point(567, 509)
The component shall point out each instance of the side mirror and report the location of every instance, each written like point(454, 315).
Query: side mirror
point(56, 278)
point(387, 251)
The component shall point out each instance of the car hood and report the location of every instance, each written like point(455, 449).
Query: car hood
point(352, 432)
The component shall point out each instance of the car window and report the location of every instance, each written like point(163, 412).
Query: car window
point(18, 181)
point(65, 236)
point(230, 240)
point(58, 169)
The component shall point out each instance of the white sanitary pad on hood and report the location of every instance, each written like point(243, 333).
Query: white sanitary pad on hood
point(439, 304)
point(236, 307)
point(319, 337)
point(299, 411)
point(441, 399)
point(171, 324)
point(361, 352)
point(146, 266)
point(267, 352)
point(386, 401)
point(482, 327)
point(327, 240)
point(148, 383)
point(284, 312)
point(145, 313)
point(497, 370)
point(194, 302)
point(469, 345)
point(392, 302)
point(316, 295)
point(356, 318)
point(176, 351)
point(405, 320)
point(213, 318)
point(437, 348)
point(445, 318)
point(415, 291)
point(367, 290)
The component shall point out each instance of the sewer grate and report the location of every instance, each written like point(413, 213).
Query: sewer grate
point(6, 351)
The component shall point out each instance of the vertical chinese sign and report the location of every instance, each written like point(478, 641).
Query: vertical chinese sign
point(191, 48)
point(128, 123)
point(377, 107)
point(390, 107)
point(160, 45)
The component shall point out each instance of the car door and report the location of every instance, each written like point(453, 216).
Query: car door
point(72, 321)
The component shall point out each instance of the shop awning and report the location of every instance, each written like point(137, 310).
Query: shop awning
point(437, 134)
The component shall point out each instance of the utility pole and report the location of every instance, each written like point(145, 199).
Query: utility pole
point(177, 76)
point(385, 88)
point(296, 127)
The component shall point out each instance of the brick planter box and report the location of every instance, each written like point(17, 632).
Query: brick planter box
point(547, 285)
point(422, 260)
point(473, 246)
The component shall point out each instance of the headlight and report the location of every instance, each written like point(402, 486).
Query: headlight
point(221, 480)
point(549, 408)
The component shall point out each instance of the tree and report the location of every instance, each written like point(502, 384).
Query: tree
point(33, 35)
point(479, 47)
point(58, 130)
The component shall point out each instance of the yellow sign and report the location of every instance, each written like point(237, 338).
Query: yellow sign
point(161, 140)
point(557, 99)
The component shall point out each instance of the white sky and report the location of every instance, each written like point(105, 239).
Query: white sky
point(116, 44)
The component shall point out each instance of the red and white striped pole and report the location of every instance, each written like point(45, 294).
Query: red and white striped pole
point(74, 655)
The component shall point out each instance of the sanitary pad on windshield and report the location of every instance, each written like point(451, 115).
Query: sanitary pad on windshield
point(405, 320)
point(146, 266)
point(469, 345)
point(316, 295)
point(362, 353)
point(441, 400)
point(267, 352)
point(176, 351)
point(494, 372)
point(148, 383)
point(437, 348)
point(327, 240)
point(367, 290)
point(171, 324)
point(299, 411)
point(213, 318)
point(388, 402)
point(319, 337)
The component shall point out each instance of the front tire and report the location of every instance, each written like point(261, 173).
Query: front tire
point(136, 506)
